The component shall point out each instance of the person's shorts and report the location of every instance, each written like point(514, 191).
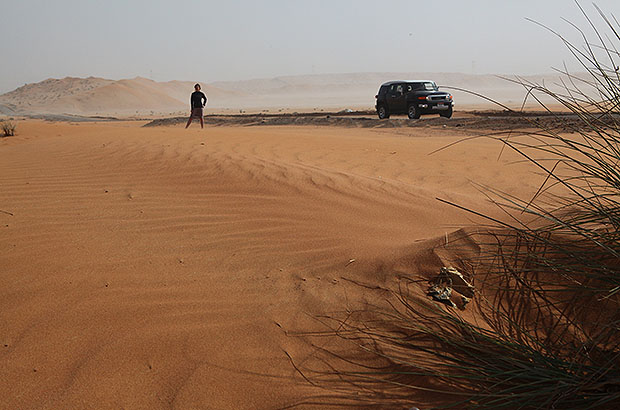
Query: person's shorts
point(196, 112)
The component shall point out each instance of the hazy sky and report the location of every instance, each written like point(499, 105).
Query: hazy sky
point(228, 40)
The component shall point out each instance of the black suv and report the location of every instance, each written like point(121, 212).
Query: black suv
point(413, 98)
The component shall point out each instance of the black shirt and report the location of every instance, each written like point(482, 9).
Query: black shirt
point(196, 99)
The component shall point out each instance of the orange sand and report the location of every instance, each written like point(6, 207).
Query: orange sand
point(159, 267)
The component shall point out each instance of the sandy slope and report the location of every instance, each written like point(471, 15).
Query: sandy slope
point(159, 268)
point(98, 96)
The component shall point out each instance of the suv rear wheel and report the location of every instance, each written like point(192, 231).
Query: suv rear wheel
point(413, 112)
point(382, 112)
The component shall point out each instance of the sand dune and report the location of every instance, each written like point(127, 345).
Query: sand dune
point(161, 267)
point(90, 96)
point(37, 96)
point(141, 96)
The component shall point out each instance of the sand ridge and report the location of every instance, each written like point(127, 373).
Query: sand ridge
point(161, 267)
point(99, 96)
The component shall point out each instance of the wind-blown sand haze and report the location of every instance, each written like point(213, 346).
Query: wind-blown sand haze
point(162, 267)
point(144, 97)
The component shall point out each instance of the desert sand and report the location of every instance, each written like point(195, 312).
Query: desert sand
point(162, 267)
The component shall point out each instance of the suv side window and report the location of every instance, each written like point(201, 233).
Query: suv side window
point(396, 89)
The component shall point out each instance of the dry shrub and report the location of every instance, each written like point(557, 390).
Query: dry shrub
point(8, 128)
point(546, 333)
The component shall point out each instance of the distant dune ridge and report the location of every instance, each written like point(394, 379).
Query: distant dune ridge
point(89, 96)
point(99, 96)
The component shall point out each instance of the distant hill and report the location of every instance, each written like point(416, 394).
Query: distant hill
point(99, 96)
point(140, 96)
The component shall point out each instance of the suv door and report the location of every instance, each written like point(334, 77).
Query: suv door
point(397, 102)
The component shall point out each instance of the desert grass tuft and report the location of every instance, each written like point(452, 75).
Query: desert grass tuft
point(8, 128)
point(546, 328)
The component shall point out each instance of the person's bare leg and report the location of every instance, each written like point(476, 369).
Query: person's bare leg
point(189, 122)
point(202, 123)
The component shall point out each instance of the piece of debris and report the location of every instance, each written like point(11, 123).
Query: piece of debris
point(448, 280)
point(350, 262)
point(441, 293)
point(459, 283)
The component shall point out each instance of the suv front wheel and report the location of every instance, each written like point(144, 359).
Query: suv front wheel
point(413, 112)
point(382, 112)
point(447, 113)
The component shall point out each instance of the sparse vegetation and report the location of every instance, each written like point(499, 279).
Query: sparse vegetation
point(8, 128)
point(546, 331)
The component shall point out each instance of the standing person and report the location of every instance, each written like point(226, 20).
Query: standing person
point(197, 105)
